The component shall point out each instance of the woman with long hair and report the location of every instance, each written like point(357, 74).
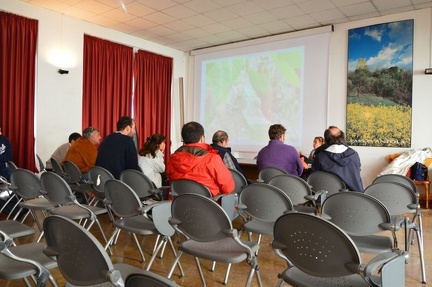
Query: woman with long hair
point(151, 158)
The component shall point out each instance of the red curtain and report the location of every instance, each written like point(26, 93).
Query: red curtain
point(107, 83)
point(18, 42)
point(152, 97)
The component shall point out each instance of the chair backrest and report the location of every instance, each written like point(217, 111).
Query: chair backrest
point(98, 176)
point(321, 180)
point(239, 180)
point(138, 181)
point(25, 183)
point(121, 199)
point(183, 186)
point(397, 197)
point(73, 173)
point(55, 188)
point(295, 187)
point(40, 163)
point(57, 167)
point(326, 250)
point(11, 165)
point(146, 278)
point(397, 178)
point(80, 257)
point(266, 174)
point(356, 213)
point(199, 217)
point(161, 213)
point(264, 202)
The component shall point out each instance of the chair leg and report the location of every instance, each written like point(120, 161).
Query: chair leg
point(175, 255)
point(421, 255)
point(156, 251)
point(200, 271)
point(227, 274)
point(139, 247)
point(177, 260)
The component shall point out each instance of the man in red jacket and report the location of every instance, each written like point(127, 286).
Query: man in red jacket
point(198, 161)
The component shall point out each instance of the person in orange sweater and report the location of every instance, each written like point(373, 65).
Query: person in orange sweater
point(198, 161)
point(84, 151)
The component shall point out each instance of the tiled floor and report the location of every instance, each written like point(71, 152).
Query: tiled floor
point(270, 265)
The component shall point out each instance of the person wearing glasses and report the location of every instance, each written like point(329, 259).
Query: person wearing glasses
point(5, 156)
point(84, 151)
point(117, 152)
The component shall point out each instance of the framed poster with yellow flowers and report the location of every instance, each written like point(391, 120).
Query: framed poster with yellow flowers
point(379, 85)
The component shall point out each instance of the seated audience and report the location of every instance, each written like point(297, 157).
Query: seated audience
point(151, 158)
point(60, 153)
point(220, 143)
point(307, 161)
point(279, 155)
point(5, 156)
point(198, 161)
point(84, 151)
point(336, 157)
point(117, 152)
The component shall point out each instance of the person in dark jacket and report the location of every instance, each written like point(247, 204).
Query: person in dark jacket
point(337, 157)
point(5, 155)
point(117, 152)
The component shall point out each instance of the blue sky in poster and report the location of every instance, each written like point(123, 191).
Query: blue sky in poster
point(382, 46)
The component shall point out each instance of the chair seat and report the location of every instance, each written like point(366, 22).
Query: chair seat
point(136, 224)
point(295, 277)
point(373, 243)
point(34, 251)
point(259, 227)
point(12, 269)
point(214, 250)
point(15, 229)
point(76, 212)
point(39, 203)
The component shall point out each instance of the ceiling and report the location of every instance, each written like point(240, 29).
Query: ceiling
point(193, 24)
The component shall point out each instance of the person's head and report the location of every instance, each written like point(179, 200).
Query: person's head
point(126, 125)
point(92, 134)
point(220, 138)
point(153, 143)
point(333, 135)
point(73, 137)
point(317, 142)
point(277, 132)
point(192, 132)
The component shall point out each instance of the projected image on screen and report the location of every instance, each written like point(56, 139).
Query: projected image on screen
point(248, 93)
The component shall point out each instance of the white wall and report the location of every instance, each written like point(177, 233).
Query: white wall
point(374, 158)
point(59, 97)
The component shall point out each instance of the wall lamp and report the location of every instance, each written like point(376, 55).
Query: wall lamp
point(61, 71)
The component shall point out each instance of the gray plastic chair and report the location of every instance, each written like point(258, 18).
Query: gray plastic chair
point(183, 186)
point(148, 279)
point(59, 193)
point(57, 167)
point(239, 180)
point(400, 199)
point(74, 178)
point(97, 178)
point(26, 185)
point(319, 253)
point(141, 184)
point(210, 235)
point(91, 265)
point(299, 191)
point(326, 181)
point(128, 213)
point(397, 178)
point(266, 174)
point(40, 164)
point(161, 213)
point(22, 261)
point(260, 205)
point(362, 217)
